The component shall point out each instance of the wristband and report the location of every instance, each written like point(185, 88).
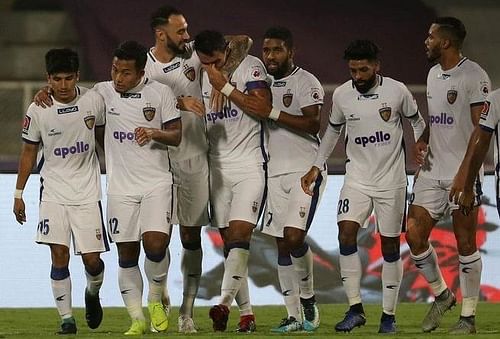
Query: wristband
point(18, 194)
point(274, 114)
point(227, 89)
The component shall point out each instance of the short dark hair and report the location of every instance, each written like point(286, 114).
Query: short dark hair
point(61, 60)
point(161, 15)
point(453, 28)
point(208, 42)
point(132, 50)
point(361, 49)
point(280, 33)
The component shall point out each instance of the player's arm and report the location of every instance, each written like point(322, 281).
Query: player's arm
point(418, 124)
point(308, 123)
point(239, 45)
point(99, 136)
point(169, 134)
point(26, 163)
point(253, 103)
point(462, 192)
point(191, 104)
point(42, 97)
point(421, 146)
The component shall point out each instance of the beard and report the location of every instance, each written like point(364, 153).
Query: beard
point(433, 55)
point(175, 48)
point(280, 71)
point(366, 85)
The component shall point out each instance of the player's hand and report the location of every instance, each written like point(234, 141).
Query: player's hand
point(217, 100)
point(421, 150)
point(143, 135)
point(191, 104)
point(215, 76)
point(308, 180)
point(42, 97)
point(461, 195)
point(19, 210)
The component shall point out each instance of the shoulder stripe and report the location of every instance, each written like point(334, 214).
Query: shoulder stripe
point(462, 61)
point(151, 56)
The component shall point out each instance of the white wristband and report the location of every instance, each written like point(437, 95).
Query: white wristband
point(18, 194)
point(274, 114)
point(227, 89)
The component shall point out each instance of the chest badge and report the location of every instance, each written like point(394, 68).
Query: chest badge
point(189, 72)
point(287, 98)
point(451, 96)
point(149, 112)
point(89, 121)
point(385, 112)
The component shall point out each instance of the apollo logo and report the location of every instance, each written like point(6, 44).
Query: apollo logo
point(226, 114)
point(441, 119)
point(121, 136)
point(377, 138)
point(63, 152)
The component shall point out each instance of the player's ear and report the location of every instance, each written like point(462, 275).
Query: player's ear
point(78, 76)
point(48, 77)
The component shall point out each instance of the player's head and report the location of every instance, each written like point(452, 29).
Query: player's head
point(128, 65)
point(445, 33)
point(170, 29)
point(362, 59)
point(62, 73)
point(211, 48)
point(278, 51)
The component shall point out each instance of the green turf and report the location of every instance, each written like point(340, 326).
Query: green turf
point(42, 323)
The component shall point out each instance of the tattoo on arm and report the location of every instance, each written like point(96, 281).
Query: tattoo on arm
point(239, 45)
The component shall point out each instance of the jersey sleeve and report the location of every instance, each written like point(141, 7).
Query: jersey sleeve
point(490, 115)
point(310, 92)
point(409, 106)
point(169, 110)
point(31, 129)
point(336, 115)
point(478, 86)
point(255, 76)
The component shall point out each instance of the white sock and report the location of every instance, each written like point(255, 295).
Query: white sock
point(304, 268)
point(470, 269)
point(427, 264)
point(392, 273)
point(130, 283)
point(243, 297)
point(156, 273)
point(290, 290)
point(191, 274)
point(234, 272)
point(94, 283)
point(350, 271)
point(61, 289)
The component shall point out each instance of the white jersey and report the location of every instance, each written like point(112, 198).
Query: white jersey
point(290, 151)
point(235, 138)
point(182, 74)
point(490, 117)
point(70, 173)
point(132, 169)
point(374, 132)
point(450, 95)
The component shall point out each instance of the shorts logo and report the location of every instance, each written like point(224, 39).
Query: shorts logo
point(255, 206)
point(302, 212)
point(149, 112)
point(89, 121)
point(189, 72)
point(26, 124)
point(287, 98)
point(385, 112)
point(98, 234)
point(451, 96)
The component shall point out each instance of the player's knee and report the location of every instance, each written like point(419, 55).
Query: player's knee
point(191, 245)
point(294, 238)
point(190, 235)
point(347, 239)
point(414, 239)
point(93, 265)
point(466, 246)
point(60, 256)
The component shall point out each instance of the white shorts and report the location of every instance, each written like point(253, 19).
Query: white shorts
point(130, 216)
point(288, 205)
point(191, 178)
point(58, 223)
point(389, 207)
point(237, 194)
point(433, 195)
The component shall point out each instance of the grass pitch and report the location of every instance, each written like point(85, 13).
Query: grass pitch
point(42, 323)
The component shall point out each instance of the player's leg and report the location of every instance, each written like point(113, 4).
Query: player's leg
point(427, 206)
point(54, 230)
point(353, 209)
point(90, 239)
point(470, 268)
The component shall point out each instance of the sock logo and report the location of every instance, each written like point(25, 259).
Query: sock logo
point(306, 278)
point(237, 277)
point(391, 287)
point(286, 293)
point(466, 269)
point(125, 291)
point(61, 297)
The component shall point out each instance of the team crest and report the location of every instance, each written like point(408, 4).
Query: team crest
point(385, 113)
point(302, 212)
point(255, 206)
point(189, 72)
point(149, 112)
point(89, 121)
point(287, 98)
point(98, 234)
point(451, 96)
